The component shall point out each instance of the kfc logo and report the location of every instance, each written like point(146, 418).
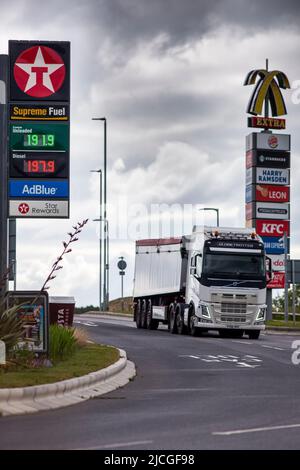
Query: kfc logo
point(272, 227)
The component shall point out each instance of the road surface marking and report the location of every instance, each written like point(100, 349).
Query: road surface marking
point(244, 431)
point(187, 355)
point(239, 361)
point(118, 444)
point(241, 342)
point(89, 324)
point(272, 347)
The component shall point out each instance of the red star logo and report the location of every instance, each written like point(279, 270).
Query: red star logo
point(23, 208)
point(39, 71)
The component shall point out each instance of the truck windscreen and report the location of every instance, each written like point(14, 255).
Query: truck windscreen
point(233, 264)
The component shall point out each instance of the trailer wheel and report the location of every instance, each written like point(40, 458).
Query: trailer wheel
point(181, 329)
point(172, 320)
point(254, 334)
point(144, 314)
point(138, 319)
point(151, 323)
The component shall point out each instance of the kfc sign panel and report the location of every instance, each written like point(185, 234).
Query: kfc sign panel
point(272, 228)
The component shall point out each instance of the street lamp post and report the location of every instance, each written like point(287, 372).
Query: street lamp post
point(106, 234)
point(100, 239)
point(211, 209)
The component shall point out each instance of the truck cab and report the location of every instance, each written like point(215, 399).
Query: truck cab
point(226, 282)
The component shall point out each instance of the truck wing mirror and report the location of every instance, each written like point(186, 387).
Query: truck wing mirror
point(269, 271)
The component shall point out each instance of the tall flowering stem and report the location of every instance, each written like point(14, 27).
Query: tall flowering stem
point(73, 237)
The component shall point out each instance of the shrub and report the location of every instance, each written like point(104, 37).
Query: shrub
point(11, 327)
point(63, 342)
point(81, 336)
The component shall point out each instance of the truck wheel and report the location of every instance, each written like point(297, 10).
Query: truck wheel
point(144, 314)
point(181, 329)
point(138, 319)
point(172, 321)
point(253, 334)
point(151, 324)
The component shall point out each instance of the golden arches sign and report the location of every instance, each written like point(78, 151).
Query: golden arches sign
point(267, 88)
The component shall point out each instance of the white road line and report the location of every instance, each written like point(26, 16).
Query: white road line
point(187, 355)
point(240, 342)
point(89, 324)
point(272, 347)
point(117, 444)
point(244, 431)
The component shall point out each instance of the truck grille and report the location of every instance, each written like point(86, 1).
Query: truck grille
point(233, 308)
point(233, 319)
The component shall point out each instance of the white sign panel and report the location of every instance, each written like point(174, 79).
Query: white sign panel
point(268, 141)
point(277, 262)
point(273, 141)
point(28, 208)
point(271, 210)
point(272, 176)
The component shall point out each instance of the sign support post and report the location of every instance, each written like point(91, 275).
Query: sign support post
point(294, 291)
point(3, 172)
point(286, 294)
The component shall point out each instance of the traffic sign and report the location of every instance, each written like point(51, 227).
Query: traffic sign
point(122, 264)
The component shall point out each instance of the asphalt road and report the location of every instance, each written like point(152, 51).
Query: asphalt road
point(189, 393)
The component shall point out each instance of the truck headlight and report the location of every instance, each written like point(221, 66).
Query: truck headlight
point(205, 311)
point(261, 314)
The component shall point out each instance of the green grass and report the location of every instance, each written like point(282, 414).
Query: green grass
point(289, 324)
point(83, 361)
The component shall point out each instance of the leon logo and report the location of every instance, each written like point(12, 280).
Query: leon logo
point(23, 208)
point(39, 71)
point(273, 141)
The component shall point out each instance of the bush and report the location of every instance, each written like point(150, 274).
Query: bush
point(11, 328)
point(63, 342)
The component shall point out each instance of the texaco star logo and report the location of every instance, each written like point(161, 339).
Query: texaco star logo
point(23, 208)
point(39, 71)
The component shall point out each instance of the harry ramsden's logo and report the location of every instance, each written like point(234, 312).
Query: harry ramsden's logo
point(267, 87)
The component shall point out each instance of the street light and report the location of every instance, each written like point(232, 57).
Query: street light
point(211, 209)
point(100, 240)
point(106, 234)
point(106, 266)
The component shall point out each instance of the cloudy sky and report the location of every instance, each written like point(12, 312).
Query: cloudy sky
point(168, 75)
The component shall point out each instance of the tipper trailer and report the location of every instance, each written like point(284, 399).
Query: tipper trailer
point(214, 279)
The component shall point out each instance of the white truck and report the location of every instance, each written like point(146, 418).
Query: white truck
point(214, 279)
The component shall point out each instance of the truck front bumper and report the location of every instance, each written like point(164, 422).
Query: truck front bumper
point(201, 323)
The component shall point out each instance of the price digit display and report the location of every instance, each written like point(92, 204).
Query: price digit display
point(39, 140)
point(39, 166)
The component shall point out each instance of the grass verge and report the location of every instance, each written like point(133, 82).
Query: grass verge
point(83, 361)
point(289, 324)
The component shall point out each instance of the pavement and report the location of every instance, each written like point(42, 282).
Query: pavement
point(189, 393)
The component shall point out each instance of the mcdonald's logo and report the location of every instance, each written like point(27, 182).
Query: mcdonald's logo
point(267, 88)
